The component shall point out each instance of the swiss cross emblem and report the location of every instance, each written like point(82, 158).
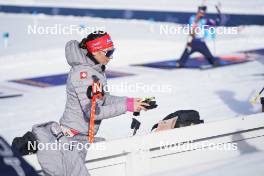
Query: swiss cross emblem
point(83, 75)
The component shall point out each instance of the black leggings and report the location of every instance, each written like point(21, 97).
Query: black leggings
point(197, 46)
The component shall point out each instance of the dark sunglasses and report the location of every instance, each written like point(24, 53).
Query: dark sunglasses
point(109, 53)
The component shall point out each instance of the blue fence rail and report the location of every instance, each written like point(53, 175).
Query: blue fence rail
point(164, 16)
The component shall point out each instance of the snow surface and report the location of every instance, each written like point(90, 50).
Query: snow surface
point(217, 94)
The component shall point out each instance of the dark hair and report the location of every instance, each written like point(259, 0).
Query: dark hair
point(202, 8)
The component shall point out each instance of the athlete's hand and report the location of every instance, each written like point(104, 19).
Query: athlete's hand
point(139, 105)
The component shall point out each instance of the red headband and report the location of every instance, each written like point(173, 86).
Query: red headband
point(99, 43)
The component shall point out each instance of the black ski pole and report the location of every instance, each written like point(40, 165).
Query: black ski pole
point(135, 125)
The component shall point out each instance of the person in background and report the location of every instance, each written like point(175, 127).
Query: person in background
point(196, 37)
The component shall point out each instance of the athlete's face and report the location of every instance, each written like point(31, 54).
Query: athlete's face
point(102, 55)
point(200, 14)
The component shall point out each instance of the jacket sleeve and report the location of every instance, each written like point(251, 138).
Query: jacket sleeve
point(103, 111)
point(111, 99)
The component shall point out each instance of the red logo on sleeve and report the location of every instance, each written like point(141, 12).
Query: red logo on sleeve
point(83, 75)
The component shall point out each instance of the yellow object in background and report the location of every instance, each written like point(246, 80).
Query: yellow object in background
point(254, 100)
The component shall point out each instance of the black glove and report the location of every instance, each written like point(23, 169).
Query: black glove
point(152, 104)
